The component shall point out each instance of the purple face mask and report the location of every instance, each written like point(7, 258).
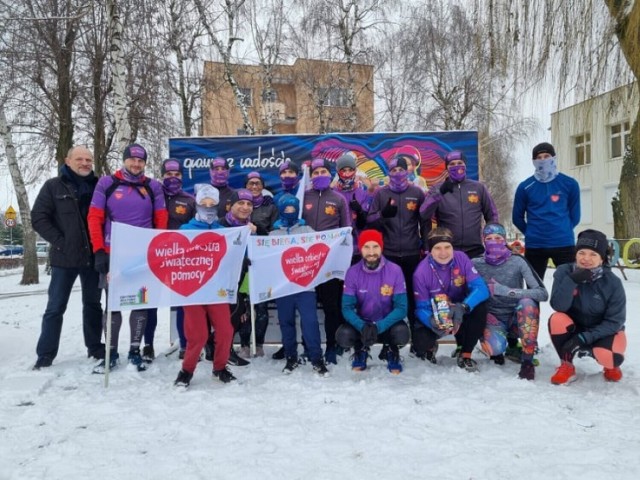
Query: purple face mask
point(496, 252)
point(172, 185)
point(399, 181)
point(289, 183)
point(457, 173)
point(219, 178)
point(321, 182)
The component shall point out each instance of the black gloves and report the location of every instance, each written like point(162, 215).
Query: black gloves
point(446, 187)
point(458, 311)
point(101, 262)
point(369, 334)
point(355, 206)
point(389, 210)
point(572, 345)
point(580, 275)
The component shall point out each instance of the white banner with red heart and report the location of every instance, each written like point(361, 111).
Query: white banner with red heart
point(288, 264)
point(165, 268)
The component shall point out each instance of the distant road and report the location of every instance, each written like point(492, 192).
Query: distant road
point(4, 296)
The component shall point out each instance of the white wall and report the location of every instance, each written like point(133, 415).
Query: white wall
point(599, 180)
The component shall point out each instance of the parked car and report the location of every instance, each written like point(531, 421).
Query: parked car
point(11, 250)
point(42, 249)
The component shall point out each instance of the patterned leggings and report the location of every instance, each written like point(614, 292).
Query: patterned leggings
point(522, 324)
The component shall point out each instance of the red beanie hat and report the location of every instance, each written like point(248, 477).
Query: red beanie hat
point(370, 236)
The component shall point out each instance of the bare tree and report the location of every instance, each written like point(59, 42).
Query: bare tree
point(267, 29)
point(586, 47)
point(30, 271)
point(345, 22)
point(229, 15)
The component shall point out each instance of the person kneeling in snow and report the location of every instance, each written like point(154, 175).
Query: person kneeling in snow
point(513, 311)
point(590, 306)
point(450, 299)
point(374, 303)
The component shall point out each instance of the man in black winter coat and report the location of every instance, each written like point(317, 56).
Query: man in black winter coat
point(59, 215)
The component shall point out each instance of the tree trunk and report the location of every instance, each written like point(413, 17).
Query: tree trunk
point(30, 271)
point(626, 207)
point(118, 76)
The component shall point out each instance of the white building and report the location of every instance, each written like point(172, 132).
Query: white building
point(590, 139)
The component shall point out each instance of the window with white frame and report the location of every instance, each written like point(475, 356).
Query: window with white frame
point(619, 135)
point(334, 97)
point(582, 149)
point(586, 208)
point(246, 97)
point(610, 191)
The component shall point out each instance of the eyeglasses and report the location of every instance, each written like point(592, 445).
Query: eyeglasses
point(255, 183)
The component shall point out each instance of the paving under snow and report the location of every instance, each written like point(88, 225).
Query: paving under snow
point(430, 422)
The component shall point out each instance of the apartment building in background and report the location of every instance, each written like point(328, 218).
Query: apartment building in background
point(310, 96)
point(590, 139)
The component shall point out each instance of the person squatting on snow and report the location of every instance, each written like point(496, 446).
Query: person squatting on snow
point(304, 302)
point(219, 173)
point(128, 197)
point(374, 303)
point(546, 209)
point(263, 216)
point(181, 207)
point(450, 299)
point(590, 305)
point(59, 215)
point(357, 199)
point(395, 211)
point(513, 310)
point(460, 204)
point(325, 209)
point(199, 319)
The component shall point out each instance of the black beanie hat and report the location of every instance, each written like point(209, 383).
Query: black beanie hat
point(543, 147)
point(593, 240)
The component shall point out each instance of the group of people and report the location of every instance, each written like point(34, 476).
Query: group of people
point(440, 260)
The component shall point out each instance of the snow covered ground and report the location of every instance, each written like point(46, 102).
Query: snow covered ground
point(430, 422)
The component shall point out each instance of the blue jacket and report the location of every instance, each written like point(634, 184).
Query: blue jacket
point(547, 213)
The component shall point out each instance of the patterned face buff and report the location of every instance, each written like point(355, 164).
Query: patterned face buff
point(399, 181)
point(457, 173)
point(172, 185)
point(546, 169)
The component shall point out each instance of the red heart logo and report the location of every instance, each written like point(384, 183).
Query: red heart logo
point(185, 265)
point(302, 266)
point(555, 198)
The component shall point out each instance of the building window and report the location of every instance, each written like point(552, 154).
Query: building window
point(269, 96)
point(334, 97)
point(583, 149)
point(246, 97)
point(619, 139)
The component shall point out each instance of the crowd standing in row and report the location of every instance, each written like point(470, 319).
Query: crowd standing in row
point(457, 278)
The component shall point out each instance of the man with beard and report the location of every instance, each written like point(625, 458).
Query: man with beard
point(374, 304)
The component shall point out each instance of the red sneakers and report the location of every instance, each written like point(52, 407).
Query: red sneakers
point(612, 374)
point(565, 373)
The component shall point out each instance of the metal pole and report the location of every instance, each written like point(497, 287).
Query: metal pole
point(253, 330)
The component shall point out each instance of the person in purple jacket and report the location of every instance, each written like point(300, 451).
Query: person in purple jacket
point(450, 300)
point(374, 303)
point(395, 211)
point(357, 199)
point(181, 207)
point(219, 172)
point(460, 204)
point(128, 197)
point(325, 209)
